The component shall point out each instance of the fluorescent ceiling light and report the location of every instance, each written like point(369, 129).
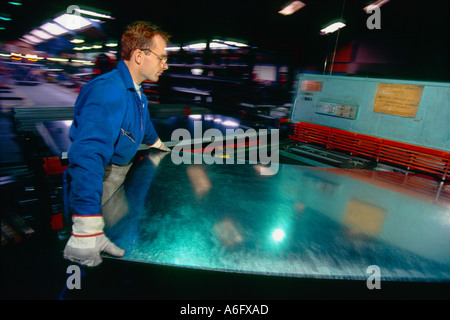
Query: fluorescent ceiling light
point(82, 61)
point(16, 56)
point(94, 14)
point(72, 21)
point(58, 59)
point(77, 40)
point(231, 43)
point(236, 44)
point(32, 38)
point(201, 45)
point(33, 57)
point(291, 8)
point(83, 48)
point(53, 29)
point(215, 45)
point(333, 27)
point(41, 34)
point(169, 49)
point(197, 71)
point(376, 4)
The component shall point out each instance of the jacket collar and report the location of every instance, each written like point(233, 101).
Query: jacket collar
point(126, 75)
point(127, 80)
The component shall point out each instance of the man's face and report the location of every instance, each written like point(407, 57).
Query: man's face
point(154, 62)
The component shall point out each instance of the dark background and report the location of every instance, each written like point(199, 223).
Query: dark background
point(413, 39)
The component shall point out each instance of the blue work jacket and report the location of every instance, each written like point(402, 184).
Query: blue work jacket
point(110, 122)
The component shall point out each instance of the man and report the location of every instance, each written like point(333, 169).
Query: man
point(111, 120)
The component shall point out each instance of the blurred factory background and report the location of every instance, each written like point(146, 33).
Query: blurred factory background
point(239, 59)
point(250, 43)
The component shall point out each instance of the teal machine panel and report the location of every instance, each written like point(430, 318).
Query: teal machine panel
point(350, 103)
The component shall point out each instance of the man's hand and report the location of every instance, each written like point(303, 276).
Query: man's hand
point(88, 242)
point(159, 145)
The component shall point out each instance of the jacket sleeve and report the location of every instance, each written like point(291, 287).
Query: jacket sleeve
point(98, 116)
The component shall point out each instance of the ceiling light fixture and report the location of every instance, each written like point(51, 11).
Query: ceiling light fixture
point(332, 27)
point(196, 46)
point(94, 14)
point(291, 8)
point(215, 45)
point(53, 29)
point(32, 38)
point(16, 56)
point(72, 21)
point(41, 34)
point(236, 44)
point(32, 57)
point(58, 59)
point(169, 49)
point(373, 5)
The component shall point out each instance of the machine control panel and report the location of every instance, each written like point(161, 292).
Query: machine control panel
point(337, 109)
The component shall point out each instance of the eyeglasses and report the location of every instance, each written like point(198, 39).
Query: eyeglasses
point(162, 59)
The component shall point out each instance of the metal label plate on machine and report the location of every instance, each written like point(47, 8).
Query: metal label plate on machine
point(336, 110)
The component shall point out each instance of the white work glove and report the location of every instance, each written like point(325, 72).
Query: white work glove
point(159, 145)
point(88, 241)
point(156, 157)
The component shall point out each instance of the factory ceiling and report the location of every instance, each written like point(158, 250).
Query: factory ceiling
point(418, 28)
point(255, 20)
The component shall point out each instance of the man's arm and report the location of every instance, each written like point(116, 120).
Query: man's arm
point(96, 126)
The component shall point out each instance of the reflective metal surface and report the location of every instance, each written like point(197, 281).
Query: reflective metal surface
point(166, 126)
point(300, 222)
point(55, 134)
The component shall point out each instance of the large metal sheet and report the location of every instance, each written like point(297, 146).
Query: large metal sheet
point(56, 133)
point(299, 222)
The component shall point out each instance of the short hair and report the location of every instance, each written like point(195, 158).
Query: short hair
point(138, 35)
